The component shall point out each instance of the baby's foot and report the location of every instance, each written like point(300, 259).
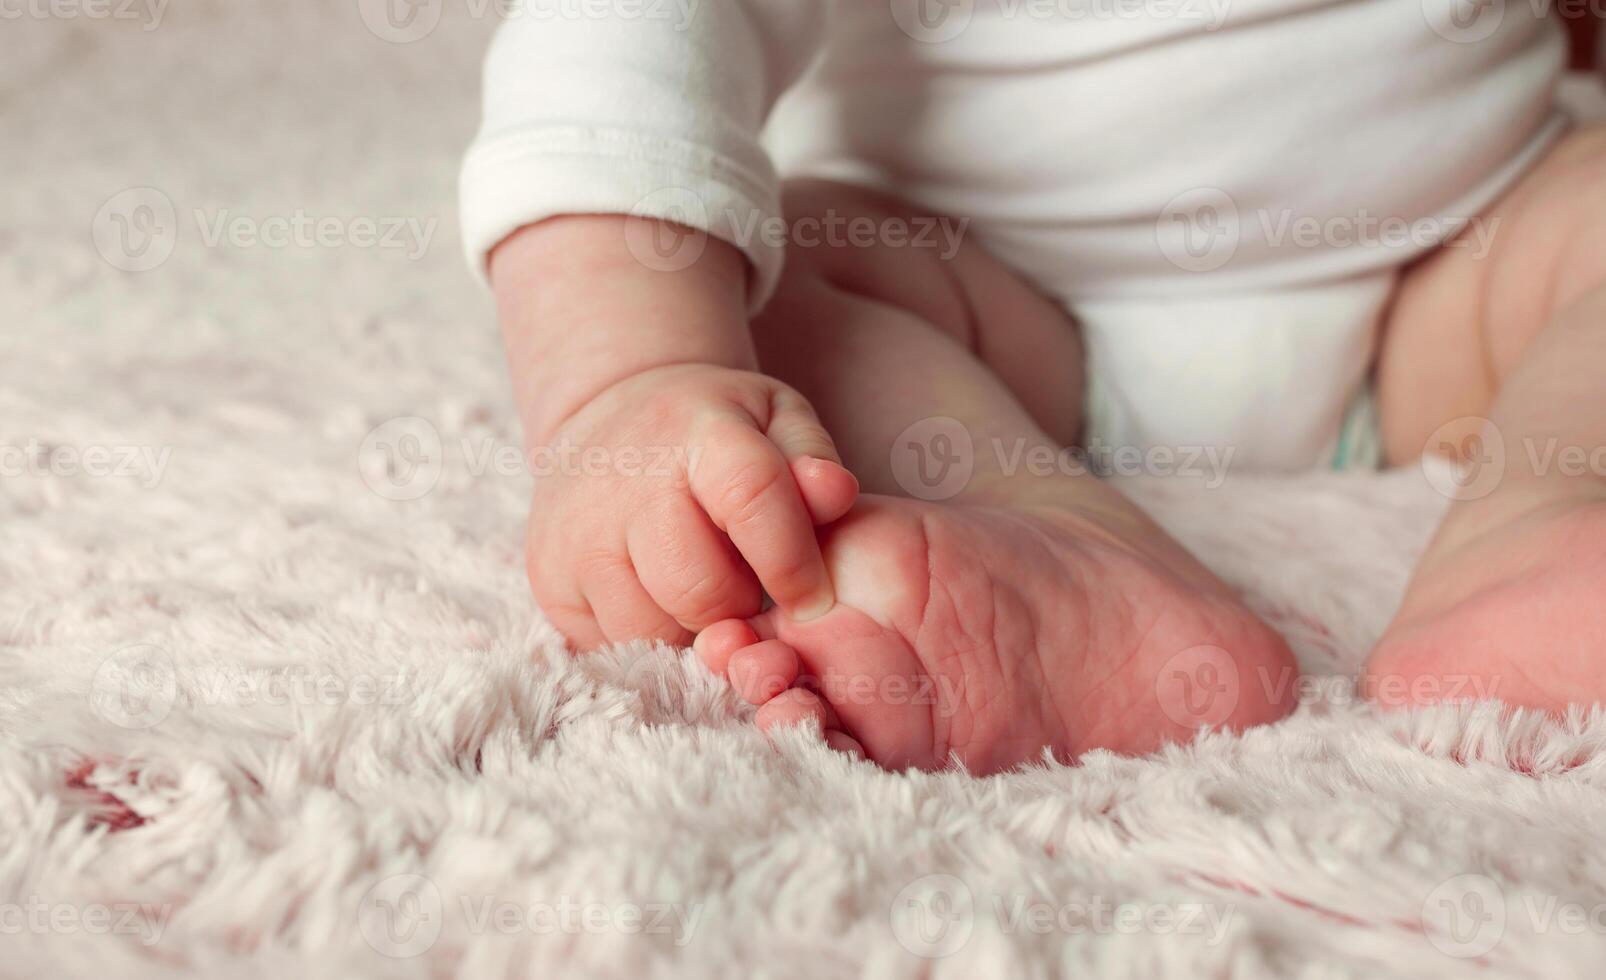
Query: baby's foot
point(1517, 614)
point(991, 633)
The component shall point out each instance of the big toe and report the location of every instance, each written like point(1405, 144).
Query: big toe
point(720, 641)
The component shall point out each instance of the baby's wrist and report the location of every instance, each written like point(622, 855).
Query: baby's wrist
point(581, 313)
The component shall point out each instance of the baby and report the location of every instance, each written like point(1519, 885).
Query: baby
point(857, 273)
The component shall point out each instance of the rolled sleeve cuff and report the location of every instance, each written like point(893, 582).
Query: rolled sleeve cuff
point(514, 179)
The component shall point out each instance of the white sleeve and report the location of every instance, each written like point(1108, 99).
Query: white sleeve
point(637, 111)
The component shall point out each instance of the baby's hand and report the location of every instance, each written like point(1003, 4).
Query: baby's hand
point(673, 495)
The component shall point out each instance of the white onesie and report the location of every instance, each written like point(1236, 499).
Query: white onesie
point(1219, 190)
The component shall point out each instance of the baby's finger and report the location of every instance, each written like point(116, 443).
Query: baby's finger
point(747, 489)
point(828, 489)
point(576, 623)
point(797, 430)
point(557, 593)
point(688, 567)
point(623, 608)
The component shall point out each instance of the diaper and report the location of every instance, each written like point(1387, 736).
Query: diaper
point(1270, 380)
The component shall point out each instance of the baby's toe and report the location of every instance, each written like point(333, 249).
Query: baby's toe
point(762, 671)
point(716, 644)
point(795, 707)
point(798, 706)
point(843, 742)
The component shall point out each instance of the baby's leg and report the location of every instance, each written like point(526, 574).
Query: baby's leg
point(988, 608)
point(1500, 359)
point(881, 335)
point(884, 337)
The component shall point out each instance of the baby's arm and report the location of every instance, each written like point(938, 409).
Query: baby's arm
point(610, 354)
point(650, 115)
point(579, 314)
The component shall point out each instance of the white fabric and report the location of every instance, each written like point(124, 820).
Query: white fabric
point(1267, 376)
point(655, 114)
point(1127, 158)
point(508, 775)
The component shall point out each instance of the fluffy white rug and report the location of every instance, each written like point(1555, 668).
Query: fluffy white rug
point(260, 720)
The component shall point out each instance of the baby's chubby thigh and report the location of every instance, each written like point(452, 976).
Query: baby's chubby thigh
point(1199, 385)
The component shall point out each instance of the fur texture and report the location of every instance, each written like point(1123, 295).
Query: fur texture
point(260, 720)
